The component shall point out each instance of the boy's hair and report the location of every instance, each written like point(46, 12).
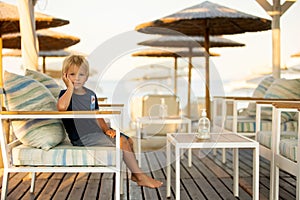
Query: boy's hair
point(77, 60)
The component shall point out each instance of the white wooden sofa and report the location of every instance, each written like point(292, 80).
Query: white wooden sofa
point(286, 154)
point(36, 141)
point(287, 129)
point(62, 158)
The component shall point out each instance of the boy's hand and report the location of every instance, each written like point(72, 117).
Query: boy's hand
point(67, 81)
point(111, 133)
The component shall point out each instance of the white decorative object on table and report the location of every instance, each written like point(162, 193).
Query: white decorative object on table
point(203, 126)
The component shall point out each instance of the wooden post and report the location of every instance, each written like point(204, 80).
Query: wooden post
point(207, 81)
point(276, 11)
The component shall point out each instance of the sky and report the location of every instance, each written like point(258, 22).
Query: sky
point(97, 22)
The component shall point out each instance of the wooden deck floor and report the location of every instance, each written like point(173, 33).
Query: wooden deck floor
point(208, 179)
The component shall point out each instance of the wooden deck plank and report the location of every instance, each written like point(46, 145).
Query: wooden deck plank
point(92, 188)
point(215, 182)
point(41, 181)
point(79, 186)
point(135, 191)
point(191, 187)
point(64, 189)
point(200, 182)
point(14, 181)
point(20, 191)
point(51, 186)
point(106, 187)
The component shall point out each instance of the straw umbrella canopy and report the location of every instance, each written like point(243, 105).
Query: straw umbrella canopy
point(48, 41)
point(176, 53)
point(192, 41)
point(9, 18)
point(9, 23)
point(203, 20)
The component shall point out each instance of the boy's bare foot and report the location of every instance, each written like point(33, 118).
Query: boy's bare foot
point(146, 181)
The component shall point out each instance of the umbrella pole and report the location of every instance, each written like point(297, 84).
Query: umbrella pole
point(207, 87)
point(1, 67)
point(189, 83)
point(44, 64)
point(1, 75)
point(175, 75)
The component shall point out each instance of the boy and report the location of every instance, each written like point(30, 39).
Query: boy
point(93, 132)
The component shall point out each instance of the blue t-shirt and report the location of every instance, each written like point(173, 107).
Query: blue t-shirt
point(79, 127)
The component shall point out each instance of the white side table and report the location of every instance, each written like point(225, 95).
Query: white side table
point(224, 140)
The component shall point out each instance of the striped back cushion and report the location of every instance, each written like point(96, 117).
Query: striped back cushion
point(260, 91)
point(46, 80)
point(26, 94)
point(282, 89)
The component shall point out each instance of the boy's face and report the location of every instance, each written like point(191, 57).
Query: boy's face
point(77, 75)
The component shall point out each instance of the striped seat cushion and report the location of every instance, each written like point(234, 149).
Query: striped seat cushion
point(26, 94)
point(288, 148)
point(247, 124)
point(265, 137)
point(64, 154)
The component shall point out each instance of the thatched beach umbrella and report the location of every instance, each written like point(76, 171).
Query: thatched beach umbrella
point(9, 18)
point(48, 40)
point(9, 23)
point(176, 53)
point(206, 19)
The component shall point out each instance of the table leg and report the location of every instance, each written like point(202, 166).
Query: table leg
point(236, 172)
point(168, 168)
point(177, 158)
point(138, 138)
point(190, 150)
point(190, 157)
point(255, 180)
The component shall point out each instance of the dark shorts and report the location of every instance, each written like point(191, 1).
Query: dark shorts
point(97, 139)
